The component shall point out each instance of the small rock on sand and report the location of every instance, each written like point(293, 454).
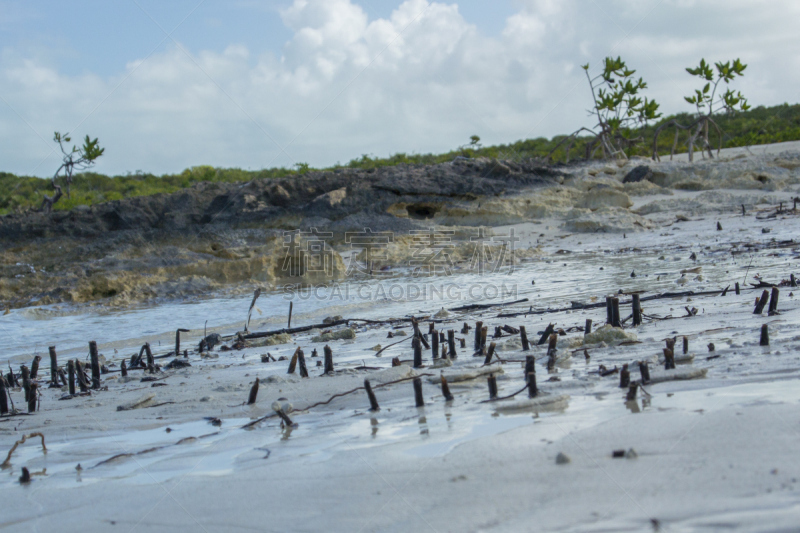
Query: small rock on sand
point(639, 173)
point(144, 401)
point(346, 333)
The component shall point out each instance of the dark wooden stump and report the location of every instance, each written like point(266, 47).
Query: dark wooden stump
point(761, 303)
point(95, 362)
point(546, 334)
point(417, 347)
point(136, 360)
point(71, 378)
point(738, 290)
point(764, 335)
point(484, 334)
point(3, 398)
point(35, 367)
point(293, 362)
point(123, 369)
point(530, 366)
point(13, 380)
point(301, 360)
point(670, 344)
point(26, 381)
point(551, 342)
point(637, 310)
point(685, 345)
point(624, 377)
point(523, 336)
point(587, 329)
point(251, 399)
point(490, 353)
point(151, 361)
point(53, 365)
point(492, 381)
point(33, 396)
point(615, 320)
point(446, 390)
point(287, 422)
point(551, 352)
point(420, 401)
point(434, 344)
point(669, 359)
point(81, 374)
point(178, 342)
point(532, 390)
point(632, 388)
point(373, 401)
point(451, 344)
point(644, 370)
point(478, 327)
point(773, 301)
point(328, 359)
point(418, 333)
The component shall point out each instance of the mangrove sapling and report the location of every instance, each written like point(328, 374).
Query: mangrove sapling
point(620, 110)
point(71, 160)
point(468, 150)
point(708, 103)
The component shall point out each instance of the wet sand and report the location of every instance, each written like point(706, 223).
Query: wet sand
point(713, 452)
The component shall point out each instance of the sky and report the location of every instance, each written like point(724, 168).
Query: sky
point(275, 83)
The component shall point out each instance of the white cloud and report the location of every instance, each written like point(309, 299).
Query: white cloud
point(422, 80)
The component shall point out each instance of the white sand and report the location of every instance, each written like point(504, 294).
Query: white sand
point(712, 453)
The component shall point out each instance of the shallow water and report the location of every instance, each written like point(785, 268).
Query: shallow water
point(559, 279)
point(200, 449)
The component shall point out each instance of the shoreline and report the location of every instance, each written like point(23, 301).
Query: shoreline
point(717, 449)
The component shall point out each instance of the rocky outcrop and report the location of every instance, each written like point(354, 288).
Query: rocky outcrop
point(270, 203)
point(216, 236)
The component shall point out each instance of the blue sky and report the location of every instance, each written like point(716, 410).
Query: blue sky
point(256, 84)
point(101, 36)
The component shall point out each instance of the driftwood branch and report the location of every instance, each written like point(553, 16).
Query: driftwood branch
point(300, 329)
point(338, 395)
point(603, 304)
point(472, 307)
point(22, 441)
point(389, 346)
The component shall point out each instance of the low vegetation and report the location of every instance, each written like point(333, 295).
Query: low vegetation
point(760, 125)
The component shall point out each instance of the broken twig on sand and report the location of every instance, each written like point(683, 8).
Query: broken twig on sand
point(7, 462)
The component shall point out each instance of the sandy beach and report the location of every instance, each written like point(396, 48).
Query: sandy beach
point(709, 445)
